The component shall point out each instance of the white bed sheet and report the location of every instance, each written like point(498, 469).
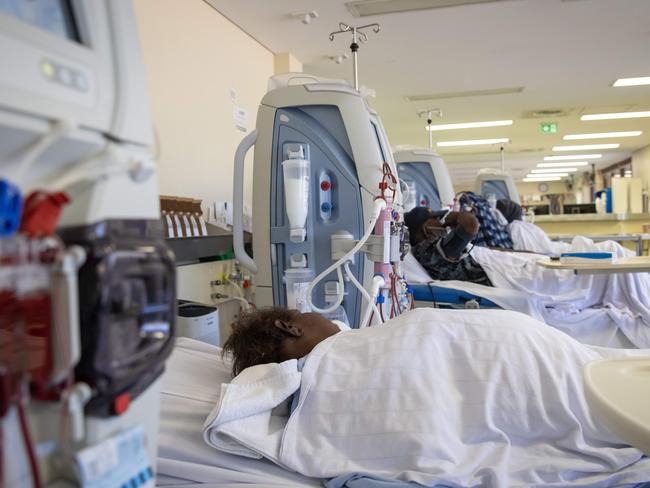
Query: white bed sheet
point(190, 389)
point(603, 326)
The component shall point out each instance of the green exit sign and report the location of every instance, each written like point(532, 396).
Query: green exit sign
point(548, 128)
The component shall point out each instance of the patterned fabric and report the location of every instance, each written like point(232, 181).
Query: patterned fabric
point(427, 254)
point(492, 233)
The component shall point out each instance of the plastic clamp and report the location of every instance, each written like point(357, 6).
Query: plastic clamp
point(11, 207)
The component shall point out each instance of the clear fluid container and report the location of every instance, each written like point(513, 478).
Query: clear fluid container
point(297, 281)
point(296, 194)
point(409, 196)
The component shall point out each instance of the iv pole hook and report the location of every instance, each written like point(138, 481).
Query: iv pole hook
point(357, 35)
point(430, 112)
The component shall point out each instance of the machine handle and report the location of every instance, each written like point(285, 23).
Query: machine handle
point(238, 202)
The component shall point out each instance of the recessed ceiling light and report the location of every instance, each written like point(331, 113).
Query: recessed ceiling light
point(536, 180)
point(476, 142)
point(471, 125)
point(553, 170)
point(586, 147)
point(562, 165)
point(640, 80)
point(602, 135)
point(574, 156)
point(622, 115)
point(547, 175)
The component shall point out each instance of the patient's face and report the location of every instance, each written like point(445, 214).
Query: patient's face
point(314, 327)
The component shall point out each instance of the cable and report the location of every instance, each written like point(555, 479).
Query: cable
point(377, 282)
point(24, 428)
point(379, 206)
point(364, 292)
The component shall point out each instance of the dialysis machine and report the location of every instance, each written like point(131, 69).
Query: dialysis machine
point(324, 180)
point(87, 286)
point(425, 178)
point(498, 183)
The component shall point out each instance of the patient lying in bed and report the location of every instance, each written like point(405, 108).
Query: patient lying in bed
point(437, 397)
point(622, 294)
point(526, 236)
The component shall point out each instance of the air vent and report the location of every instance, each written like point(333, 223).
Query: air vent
point(367, 8)
point(465, 94)
point(547, 112)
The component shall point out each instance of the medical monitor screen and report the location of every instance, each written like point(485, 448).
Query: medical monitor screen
point(54, 16)
point(497, 187)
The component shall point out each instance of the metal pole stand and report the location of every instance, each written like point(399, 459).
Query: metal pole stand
point(429, 112)
point(357, 35)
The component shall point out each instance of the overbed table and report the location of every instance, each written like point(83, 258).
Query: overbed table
point(633, 264)
point(618, 389)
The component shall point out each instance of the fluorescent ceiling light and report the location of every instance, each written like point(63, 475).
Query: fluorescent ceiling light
point(470, 125)
point(568, 158)
point(641, 80)
point(602, 135)
point(547, 175)
point(562, 165)
point(477, 142)
point(536, 180)
point(586, 147)
point(622, 115)
point(553, 170)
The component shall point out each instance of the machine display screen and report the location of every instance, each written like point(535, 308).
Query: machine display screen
point(54, 16)
point(498, 187)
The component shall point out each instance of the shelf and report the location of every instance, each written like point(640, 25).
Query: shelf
point(217, 246)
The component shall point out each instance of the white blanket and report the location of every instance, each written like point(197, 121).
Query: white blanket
point(437, 396)
point(191, 386)
point(623, 295)
point(529, 237)
point(600, 326)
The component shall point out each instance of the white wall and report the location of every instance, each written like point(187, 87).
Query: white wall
point(194, 57)
point(641, 166)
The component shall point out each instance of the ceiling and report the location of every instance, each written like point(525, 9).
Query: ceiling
point(564, 53)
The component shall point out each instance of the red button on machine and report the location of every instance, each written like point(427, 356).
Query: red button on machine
point(121, 403)
point(325, 185)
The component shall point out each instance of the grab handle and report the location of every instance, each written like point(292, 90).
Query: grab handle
point(238, 202)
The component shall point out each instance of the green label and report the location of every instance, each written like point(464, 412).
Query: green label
point(548, 128)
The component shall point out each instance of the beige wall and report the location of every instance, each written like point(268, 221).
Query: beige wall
point(532, 188)
point(286, 63)
point(194, 57)
point(641, 166)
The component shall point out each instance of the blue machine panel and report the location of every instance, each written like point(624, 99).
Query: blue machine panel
point(497, 187)
point(334, 188)
point(421, 175)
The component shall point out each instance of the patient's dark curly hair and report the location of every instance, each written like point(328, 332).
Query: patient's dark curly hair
point(255, 339)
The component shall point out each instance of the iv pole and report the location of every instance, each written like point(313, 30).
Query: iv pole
point(503, 161)
point(429, 112)
point(357, 35)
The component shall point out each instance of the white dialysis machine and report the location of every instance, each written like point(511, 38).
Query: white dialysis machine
point(496, 182)
point(425, 178)
point(324, 188)
point(87, 285)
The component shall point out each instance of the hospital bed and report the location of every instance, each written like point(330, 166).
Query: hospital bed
point(184, 459)
point(427, 292)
